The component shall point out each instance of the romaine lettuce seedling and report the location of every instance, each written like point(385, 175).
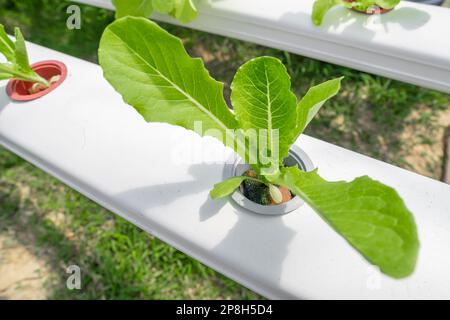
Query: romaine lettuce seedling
point(152, 71)
point(17, 66)
point(183, 10)
point(321, 7)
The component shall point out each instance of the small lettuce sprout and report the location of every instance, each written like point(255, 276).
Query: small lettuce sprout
point(183, 10)
point(17, 65)
point(321, 7)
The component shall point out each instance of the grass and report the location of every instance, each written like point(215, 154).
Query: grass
point(392, 121)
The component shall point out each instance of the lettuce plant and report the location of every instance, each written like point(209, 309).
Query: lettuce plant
point(321, 7)
point(152, 71)
point(17, 66)
point(183, 10)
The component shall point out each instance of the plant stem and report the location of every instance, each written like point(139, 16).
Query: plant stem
point(40, 80)
point(24, 76)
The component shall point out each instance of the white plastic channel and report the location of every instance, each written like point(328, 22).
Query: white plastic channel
point(86, 136)
point(410, 44)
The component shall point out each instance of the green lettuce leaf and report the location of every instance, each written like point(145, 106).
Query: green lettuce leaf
point(153, 72)
point(8, 71)
point(137, 8)
point(321, 7)
point(227, 187)
point(164, 6)
point(262, 99)
point(5, 76)
point(185, 10)
point(7, 47)
point(18, 66)
point(387, 4)
point(21, 55)
point(368, 214)
point(311, 103)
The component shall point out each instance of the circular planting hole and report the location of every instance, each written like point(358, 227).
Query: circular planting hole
point(297, 157)
point(54, 71)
